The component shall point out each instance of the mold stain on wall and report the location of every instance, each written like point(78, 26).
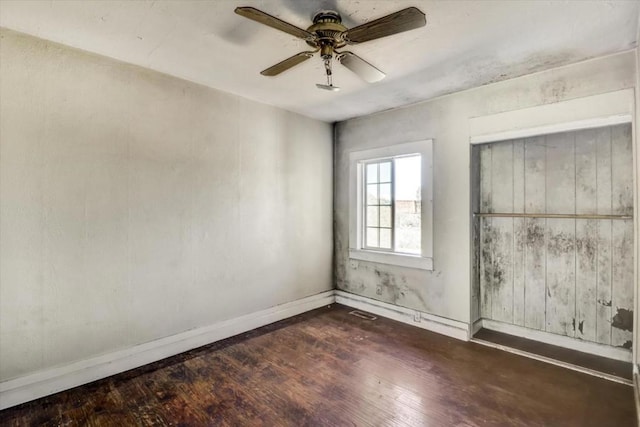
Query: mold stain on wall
point(575, 270)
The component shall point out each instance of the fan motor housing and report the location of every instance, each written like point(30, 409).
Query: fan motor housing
point(327, 26)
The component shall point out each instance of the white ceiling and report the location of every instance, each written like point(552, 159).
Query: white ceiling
point(465, 44)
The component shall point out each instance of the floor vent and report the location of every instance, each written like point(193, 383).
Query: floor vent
point(362, 315)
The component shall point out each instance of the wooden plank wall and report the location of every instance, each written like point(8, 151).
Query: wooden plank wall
point(572, 277)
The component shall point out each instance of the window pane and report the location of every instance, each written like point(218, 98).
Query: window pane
point(408, 176)
point(372, 194)
point(385, 194)
point(372, 216)
point(385, 216)
point(385, 238)
point(372, 173)
point(385, 172)
point(372, 237)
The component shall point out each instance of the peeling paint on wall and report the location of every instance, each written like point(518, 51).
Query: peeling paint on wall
point(576, 270)
point(447, 290)
point(623, 319)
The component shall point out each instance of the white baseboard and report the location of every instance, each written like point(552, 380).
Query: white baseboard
point(33, 386)
point(554, 339)
point(23, 389)
point(441, 325)
point(477, 325)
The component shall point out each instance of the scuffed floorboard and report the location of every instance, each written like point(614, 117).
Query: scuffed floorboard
point(329, 368)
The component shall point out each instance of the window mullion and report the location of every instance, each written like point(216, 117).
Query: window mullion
point(378, 203)
point(365, 204)
point(393, 205)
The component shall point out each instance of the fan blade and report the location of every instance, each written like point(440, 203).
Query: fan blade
point(359, 66)
point(398, 22)
point(287, 63)
point(273, 22)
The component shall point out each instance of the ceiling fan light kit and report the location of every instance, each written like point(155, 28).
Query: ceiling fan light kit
point(327, 34)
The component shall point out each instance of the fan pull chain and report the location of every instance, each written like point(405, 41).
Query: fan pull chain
point(327, 67)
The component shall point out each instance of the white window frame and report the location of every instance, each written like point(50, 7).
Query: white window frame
point(424, 261)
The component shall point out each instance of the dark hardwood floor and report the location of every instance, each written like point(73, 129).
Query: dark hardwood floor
point(329, 368)
point(597, 363)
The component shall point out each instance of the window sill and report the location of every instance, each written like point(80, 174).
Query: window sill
point(401, 260)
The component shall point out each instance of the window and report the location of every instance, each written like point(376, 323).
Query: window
point(391, 206)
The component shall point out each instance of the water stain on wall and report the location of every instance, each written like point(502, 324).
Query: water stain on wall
point(554, 91)
point(488, 234)
point(587, 247)
point(560, 243)
point(535, 234)
point(566, 274)
point(394, 291)
point(388, 283)
point(498, 273)
point(356, 286)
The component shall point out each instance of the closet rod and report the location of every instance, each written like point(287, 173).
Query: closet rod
point(546, 215)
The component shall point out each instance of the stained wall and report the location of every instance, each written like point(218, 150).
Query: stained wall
point(567, 276)
point(446, 291)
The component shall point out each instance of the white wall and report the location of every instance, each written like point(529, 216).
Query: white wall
point(135, 206)
point(446, 290)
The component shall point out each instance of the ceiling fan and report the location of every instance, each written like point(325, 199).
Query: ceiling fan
point(327, 34)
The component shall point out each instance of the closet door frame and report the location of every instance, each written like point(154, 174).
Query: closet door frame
point(589, 112)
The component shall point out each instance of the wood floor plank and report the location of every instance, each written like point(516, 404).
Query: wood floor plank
point(329, 368)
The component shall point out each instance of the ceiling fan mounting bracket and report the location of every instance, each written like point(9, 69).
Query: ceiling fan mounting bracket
point(326, 15)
